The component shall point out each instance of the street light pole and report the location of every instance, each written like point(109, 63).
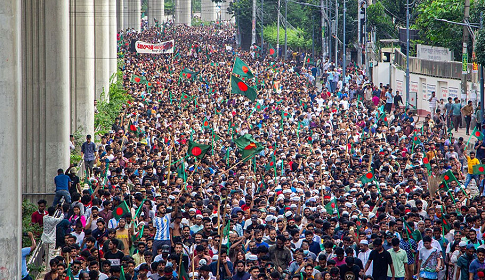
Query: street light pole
point(344, 51)
point(286, 27)
point(313, 36)
point(278, 31)
point(336, 32)
point(407, 52)
point(262, 27)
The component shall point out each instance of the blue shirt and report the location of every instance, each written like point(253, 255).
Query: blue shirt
point(62, 182)
point(25, 253)
point(474, 266)
point(88, 149)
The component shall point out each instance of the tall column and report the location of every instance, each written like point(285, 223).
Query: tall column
point(10, 140)
point(183, 12)
point(57, 87)
point(208, 10)
point(82, 71)
point(101, 43)
point(225, 16)
point(113, 42)
point(134, 12)
point(155, 11)
point(119, 15)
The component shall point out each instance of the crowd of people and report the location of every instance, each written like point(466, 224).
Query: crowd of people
point(337, 181)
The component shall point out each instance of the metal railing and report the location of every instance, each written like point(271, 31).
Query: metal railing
point(442, 69)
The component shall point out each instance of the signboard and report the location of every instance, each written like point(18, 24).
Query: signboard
point(453, 92)
point(160, 48)
point(475, 67)
point(413, 99)
point(444, 92)
point(431, 88)
point(464, 63)
point(433, 53)
point(413, 87)
point(424, 90)
point(399, 86)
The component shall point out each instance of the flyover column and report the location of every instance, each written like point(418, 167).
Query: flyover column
point(10, 139)
point(101, 43)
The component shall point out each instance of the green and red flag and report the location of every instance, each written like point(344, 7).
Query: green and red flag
point(310, 61)
point(132, 127)
point(188, 74)
point(242, 69)
point(331, 207)
point(183, 273)
point(138, 79)
point(448, 177)
point(248, 146)
point(407, 227)
point(197, 150)
point(217, 111)
point(240, 87)
point(285, 115)
point(272, 51)
point(205, 123)
point(446, 227)
point(426, 163)
point(477, 133)
point(479, 169)
point(122, 274)
point(259, 107)
point(367, 177)
point(69, 275)
point(271, 164)
point(185, 96)
point(416, 140)
point(120, 210)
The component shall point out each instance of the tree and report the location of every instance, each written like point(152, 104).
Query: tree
point(480, 47)
point(296, 38)
point(438, 33)
point(382, 22)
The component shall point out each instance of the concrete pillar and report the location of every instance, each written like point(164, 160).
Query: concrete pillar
point(82, 67)
point(225, 16)
point(101, 43)
point(119, 15)
point(208, 10)
point(156, 11)
point(134, 13)
point(10, 140)
point(113, 42)
point(57, 88)
point(183, 12)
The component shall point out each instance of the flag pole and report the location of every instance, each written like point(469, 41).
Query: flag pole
point(170, 160)
point(232, 167)
point(195, 169)
point(220, 236)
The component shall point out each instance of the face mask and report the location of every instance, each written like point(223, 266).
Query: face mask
point(305, 252)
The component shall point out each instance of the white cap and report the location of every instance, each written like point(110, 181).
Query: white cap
point(348, 204)
point(371, 215)
point(288, 214)
point(462, 244)
point(365, 242)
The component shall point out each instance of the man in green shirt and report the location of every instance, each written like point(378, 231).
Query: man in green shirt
point(456, 113)
point(399, 260)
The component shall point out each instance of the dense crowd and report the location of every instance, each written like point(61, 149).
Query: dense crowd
point(331, 182)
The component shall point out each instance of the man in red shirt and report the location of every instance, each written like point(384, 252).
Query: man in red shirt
point(38, 216)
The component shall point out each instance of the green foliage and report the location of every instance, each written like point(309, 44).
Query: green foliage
point(296, 38)
point(108, 111)
point(480, 47)
point(382, 22)
point(438, 33)
point(27, 209)
point(196, 4)
point(169, 7)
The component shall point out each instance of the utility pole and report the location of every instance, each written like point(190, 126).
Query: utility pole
point(344, 51)
point(336, 32)
point(278, 31)
point(465, 51)
point(262, 27)
point(322, 10)
point(286, 27)
point(482, 94)
point(253, 30)
point(407, 52)
point(313, 36)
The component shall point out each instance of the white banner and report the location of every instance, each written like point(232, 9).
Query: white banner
point(160, 48)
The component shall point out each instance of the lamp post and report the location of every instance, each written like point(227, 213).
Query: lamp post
point(344, 50)
point(407, 52)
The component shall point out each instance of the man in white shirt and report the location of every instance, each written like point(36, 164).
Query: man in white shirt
point(364, 255)
point(49, 234)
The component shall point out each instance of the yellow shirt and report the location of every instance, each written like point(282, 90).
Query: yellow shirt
point(471, 163)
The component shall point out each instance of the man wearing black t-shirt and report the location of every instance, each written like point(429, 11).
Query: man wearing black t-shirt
point(114, 255)
point(382, 259)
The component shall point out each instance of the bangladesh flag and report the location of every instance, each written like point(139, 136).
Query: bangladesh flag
point(69, 274)
point(240, 87)
point(285, 115)
point(149, 84)
point(205, 124)
point(271, 164)
point(183, 273)
point(242, 69)
point(259, 107)
point(138, 79)
point(188, 74)
point(181, 171)
point(120, 210)
point(272, 51)
point(477, 133)
point(331, 207)
point(232, 126)
point(446, 226)
point(122, 274)
point(132, 127)
point(416, 140)
point(217, 111)
point(448, 177)
point(367, 177)
point(426, 163)
point(409, 230)
point(310, 61)
point(185, 96)
point(197, 150)
point(479, 169)
point(248, 146)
